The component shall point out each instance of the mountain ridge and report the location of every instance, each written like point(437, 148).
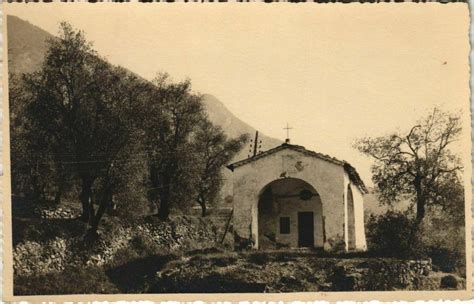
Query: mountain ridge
point(27, 45)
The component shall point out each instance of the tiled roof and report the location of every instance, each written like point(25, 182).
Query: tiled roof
point(351, 171)
point(355, 178)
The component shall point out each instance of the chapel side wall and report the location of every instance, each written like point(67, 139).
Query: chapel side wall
point(326, 177)
point(361, 243)
point(347, 181)
point(358, 201)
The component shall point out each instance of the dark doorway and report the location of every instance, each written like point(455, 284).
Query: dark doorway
point(305, 229)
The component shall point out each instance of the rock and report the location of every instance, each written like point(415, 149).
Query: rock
point(288, 279)
point(363, 265)
point(327, 246)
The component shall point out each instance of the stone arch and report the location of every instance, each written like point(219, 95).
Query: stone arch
point(289, 213)
point(350, 219)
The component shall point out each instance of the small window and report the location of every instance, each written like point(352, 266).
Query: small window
point(284, 225)
point(306, 195)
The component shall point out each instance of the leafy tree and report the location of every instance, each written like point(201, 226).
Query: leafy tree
point(171, 121)
point(213, 150)
point(86, 113)
point(122, 139)
point(84, 123)
point(65, 92)
point(419, 164)
point(37, 172)
point(26, 171)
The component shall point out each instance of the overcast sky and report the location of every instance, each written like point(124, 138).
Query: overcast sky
point(333, 72)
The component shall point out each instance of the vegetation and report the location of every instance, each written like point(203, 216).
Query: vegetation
point(85, 129)
point(96, 136)
point(214, 150)
point(74, 280)
point(391, 234)
point(418, 165)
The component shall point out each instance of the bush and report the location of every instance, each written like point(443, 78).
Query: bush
point(135, 275)
point(444, 238)
point(393, 234)
point(259, 258)
point(439, 237)
point(447, 259)
point(73, 280)
point(144, 245)
point(123, 256)
point(449, 281)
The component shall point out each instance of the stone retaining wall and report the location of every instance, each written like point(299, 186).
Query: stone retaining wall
point(55, 254)
point(381, 274)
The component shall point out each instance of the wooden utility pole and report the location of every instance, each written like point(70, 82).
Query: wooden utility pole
point(255, 144)
point(254, 150)
point(227, 225)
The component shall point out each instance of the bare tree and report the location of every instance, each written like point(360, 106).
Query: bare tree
point(418, 164)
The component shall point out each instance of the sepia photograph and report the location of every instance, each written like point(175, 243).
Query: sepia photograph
point(221, 150)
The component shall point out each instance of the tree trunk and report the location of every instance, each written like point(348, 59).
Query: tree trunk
point(60, 186)
point(36, 193)
point(420, 209)
point(91, 210)
point(92, 234)
point(104, 202)
point(155, 194)
point(86, 200)
point(165, 193)
point(420, 200)
point(202, 202)
point(57, 198)
point(164, 209)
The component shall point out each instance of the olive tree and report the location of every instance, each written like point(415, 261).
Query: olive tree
point(418, 164)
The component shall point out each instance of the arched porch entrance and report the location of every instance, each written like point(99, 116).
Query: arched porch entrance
point(289, 215)
point(350, 219)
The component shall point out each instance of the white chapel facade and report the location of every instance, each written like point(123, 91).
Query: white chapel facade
point(291, 197)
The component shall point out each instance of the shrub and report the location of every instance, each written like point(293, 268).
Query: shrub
point(393, 234)
point(337, 245)
point(144, 245)
point(444, 238)
point(449, 281)
point(259, 258)
point(439, 237)
point(224, 259)
point(447, 259)
point(123, 256)
point(73, 280)
point(135, 275)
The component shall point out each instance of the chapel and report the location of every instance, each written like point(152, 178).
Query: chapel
point(292, 197)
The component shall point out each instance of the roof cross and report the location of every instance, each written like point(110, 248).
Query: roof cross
point(287, 132)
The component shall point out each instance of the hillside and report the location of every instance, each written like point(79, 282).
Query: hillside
point(233, 126)
point(27, 47)
point(372, 204)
